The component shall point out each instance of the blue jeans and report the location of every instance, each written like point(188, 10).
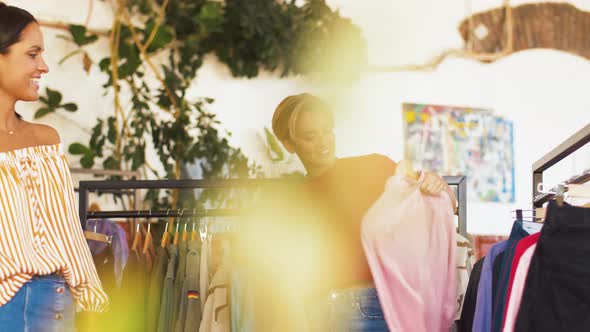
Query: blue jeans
point(44, 304)
point(349, 310)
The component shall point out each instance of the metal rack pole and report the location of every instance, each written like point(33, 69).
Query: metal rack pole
point(91, 186)
point(569, 146)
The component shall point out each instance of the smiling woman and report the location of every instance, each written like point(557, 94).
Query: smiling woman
point(341, 191)
point(45, 264)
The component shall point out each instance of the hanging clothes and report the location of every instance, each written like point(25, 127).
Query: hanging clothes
point(155, 289)
point(189, 314)
point(120, 247)
point(482, 320)
point(465, 259)
point(241, 300)
point(216, 313)
point(204, 272)
point(517, 288)
point(522, 246)
point(179, 280)
point(468, 312)
point(499, 304)
point(128, 302)
point(409, 241)
point(165, 322)
point(556, 295)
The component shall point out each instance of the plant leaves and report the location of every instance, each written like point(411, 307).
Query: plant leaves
point(43, 111)
point(53, 98)
point(81, 36)
point(70, 107)
point(111, 131)
point(79, 148)
point(163, 36)
point(87, 161)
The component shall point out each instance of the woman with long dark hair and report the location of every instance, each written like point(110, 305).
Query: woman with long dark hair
point(46, 269)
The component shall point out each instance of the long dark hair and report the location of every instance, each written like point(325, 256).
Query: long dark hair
point(13, 21)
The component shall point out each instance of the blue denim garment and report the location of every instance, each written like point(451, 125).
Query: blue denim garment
point(350, 310)
point(44, 304)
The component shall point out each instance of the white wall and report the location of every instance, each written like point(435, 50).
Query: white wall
point(542, 91)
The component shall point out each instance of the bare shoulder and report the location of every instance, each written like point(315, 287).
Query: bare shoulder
point(45, 134)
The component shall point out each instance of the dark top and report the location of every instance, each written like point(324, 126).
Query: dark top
point(466, 322)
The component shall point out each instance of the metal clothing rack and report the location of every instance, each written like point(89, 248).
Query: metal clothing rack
point(86, 187)
point(569, 146)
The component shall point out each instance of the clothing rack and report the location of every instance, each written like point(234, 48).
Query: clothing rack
point(85, 187)
point(565, 149)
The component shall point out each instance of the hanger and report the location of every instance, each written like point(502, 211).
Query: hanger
point(95, 236)
point(203, 232)
point(148, 239)
point(530, 223)
point(194, 233)
point(185, 234)
point(165, 235)
point(559, 194)
point(98, 237)
point(137, 236)
point(536, 214)
point(176, 234)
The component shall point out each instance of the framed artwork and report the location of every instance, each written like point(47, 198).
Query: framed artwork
point(462, 141)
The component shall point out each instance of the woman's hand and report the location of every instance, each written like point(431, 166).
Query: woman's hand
point(433, 184)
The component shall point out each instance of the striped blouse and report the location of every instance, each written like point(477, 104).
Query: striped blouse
point(40, 230)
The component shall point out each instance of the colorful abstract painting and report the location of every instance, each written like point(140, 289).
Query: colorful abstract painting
point(462, 141)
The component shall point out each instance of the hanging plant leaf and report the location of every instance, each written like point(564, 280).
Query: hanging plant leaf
point(78, 149)
point(112, 131)
point(70, 107)
point(163, 36)
point(43, 111)
point(87, 161)
point(81, 35)
point(53, 98)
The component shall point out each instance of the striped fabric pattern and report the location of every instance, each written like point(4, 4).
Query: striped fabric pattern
point(40, 229)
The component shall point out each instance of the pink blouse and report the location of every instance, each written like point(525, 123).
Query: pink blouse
point(409, 241)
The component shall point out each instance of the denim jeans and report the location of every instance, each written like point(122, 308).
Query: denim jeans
point(348, 310)
point(44, 304)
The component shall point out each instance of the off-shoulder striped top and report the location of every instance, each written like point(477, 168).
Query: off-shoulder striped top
point(40, 230)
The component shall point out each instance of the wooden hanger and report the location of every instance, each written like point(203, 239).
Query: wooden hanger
point(95, 236)
point(165, 235)
point(176, 233)
point(98, 237)
point(148, 239)
point(136, 238)
point(185, 234)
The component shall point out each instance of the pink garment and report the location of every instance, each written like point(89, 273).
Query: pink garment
point(409, 241)
point(517, 288)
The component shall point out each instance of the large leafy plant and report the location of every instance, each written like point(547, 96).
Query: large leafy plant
point(246, 35)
